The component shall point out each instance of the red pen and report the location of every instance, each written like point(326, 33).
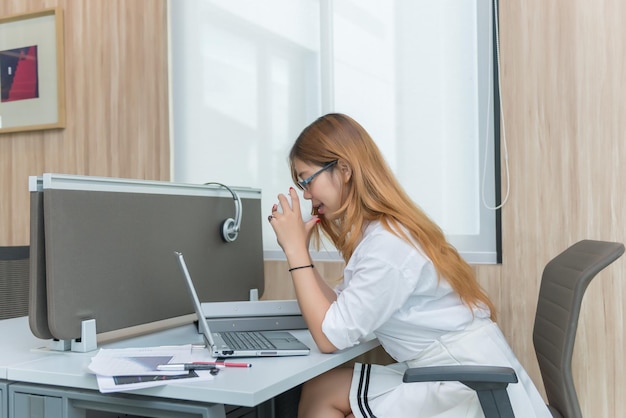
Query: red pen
point(223, 363)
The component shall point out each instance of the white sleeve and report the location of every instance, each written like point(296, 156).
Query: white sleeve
point(375, 290)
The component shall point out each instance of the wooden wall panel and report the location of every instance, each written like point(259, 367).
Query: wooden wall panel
point(563, 80)
point(116, 78)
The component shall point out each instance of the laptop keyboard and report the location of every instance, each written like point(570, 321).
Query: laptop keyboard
point(246, 340)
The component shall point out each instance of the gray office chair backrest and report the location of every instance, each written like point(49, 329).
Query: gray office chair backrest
point(14, 281)
point(563, 283)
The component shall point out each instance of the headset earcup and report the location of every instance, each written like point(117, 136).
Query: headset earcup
point(228, 230)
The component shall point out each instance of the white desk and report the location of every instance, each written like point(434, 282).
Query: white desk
point(16, 343)
point(23, 361)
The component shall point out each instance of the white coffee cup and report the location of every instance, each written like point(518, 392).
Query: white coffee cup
point(305, 207)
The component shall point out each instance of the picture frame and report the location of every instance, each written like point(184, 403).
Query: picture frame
point(32, 79)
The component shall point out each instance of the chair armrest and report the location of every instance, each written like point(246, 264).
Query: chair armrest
point(477, 374)
point(489, 382)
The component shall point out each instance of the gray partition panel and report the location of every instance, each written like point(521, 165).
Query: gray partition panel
point(38, 302)
point(109, 255)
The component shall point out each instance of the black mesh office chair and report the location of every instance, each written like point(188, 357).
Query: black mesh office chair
point(563, 283)
point(14, 281)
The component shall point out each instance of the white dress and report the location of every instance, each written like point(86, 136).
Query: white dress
point(391, 289)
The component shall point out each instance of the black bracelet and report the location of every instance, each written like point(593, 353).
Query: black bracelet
point(301, 267)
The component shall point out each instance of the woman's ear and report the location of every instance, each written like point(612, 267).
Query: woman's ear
point(345, 169)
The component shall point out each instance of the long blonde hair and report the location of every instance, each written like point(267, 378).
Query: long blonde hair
point(374, 194)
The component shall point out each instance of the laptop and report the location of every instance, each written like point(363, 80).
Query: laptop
point(241, 343)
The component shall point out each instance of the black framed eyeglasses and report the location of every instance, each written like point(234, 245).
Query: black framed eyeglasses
point(304, 184)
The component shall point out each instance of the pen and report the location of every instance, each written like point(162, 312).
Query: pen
point(224, 363)
point(186, 366)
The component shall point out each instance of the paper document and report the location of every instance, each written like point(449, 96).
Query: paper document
point(109, 384)
point(138, 361)
point(133, 368)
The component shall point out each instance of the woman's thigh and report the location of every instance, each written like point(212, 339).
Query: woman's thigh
point(327, 393)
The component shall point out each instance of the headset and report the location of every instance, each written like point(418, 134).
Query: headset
point(229, 229)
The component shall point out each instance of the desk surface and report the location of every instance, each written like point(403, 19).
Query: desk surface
point(16, 343)
point(24, 358)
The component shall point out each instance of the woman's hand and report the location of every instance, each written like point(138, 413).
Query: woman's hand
point(313, 294)
point(292, 233)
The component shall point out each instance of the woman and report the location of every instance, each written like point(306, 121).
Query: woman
point(402, 281)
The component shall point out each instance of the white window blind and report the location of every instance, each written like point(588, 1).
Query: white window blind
point(248, 76)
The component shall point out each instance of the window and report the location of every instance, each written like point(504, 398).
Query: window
point(248, 76)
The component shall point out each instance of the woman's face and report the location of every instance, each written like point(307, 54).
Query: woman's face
point(324, 191)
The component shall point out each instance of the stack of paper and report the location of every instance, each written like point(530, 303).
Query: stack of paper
point(134, 368)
